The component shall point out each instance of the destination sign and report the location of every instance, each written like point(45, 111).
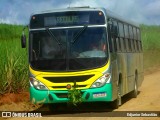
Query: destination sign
point(66, 20)
point(69, 18)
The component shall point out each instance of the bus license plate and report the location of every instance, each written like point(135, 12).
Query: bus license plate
point(97, 95)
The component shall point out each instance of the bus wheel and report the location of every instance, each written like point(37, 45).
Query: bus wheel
point(115, 104)
point(119, 96)
point(134, 93)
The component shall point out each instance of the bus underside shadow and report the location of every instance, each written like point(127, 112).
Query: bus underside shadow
point(64, 108)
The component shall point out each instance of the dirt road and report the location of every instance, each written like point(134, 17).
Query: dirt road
point(149, 96)
point(147, 100)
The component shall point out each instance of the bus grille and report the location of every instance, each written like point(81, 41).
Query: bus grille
point(67, 79)
point(78, 86)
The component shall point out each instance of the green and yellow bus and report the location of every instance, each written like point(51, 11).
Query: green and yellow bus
point(93, 47)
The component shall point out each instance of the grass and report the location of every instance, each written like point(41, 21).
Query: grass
point(14, 66)
point(150, 37)
point(151, 45)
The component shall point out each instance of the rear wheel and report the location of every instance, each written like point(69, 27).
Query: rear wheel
point(134, 93)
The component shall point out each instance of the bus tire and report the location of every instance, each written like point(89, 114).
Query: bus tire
point(116, 103)
point(134, 93)
point(119, 98)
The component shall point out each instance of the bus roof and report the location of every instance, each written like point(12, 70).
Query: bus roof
point(87, 8)
point(120, 18)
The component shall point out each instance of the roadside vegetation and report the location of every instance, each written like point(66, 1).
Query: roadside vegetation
point(14, 61)
point(151, 46)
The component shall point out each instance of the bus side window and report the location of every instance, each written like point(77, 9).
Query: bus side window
point(137, 45)
point(133, 45)
point(138, 39)
point(126, 31)
point(112, 40)
point(114, 43)
point(117, 46)
point(138, 34)
point(135, 38)
point(131, 38)
point(135, 33)
point(109, 38)
point(121, 35)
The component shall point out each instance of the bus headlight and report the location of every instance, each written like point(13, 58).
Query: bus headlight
point(37, 84)
point(102, 81)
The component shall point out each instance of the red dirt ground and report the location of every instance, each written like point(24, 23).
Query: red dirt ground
point(12, 97)
point(16, 102)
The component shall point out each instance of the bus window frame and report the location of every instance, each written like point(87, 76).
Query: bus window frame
point(135, 38)
point(126, 37)
point(132, 43)
point(121, 38)
point(111, 47)
point(112, 39)
point(129, 40)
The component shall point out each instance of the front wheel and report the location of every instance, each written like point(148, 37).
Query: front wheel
point(116, 103)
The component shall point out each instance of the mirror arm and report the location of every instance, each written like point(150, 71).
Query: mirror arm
point(24, 29)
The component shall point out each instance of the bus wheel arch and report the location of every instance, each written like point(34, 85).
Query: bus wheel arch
point(119, 82)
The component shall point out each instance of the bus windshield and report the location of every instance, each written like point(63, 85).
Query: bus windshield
point(79, 49)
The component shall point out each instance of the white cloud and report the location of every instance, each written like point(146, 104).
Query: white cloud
point(153, 9)
point(92, 3)
point(140, 11)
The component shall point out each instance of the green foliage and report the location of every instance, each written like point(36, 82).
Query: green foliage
point(10, 32)
point(150, 37)
point(13, 66)
point(74, 96)
point(151, 45)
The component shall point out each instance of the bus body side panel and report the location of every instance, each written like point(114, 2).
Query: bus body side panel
point(114, 73)
point(122, 69)
point(133, 67)
point(130, 71)
point(140, 74)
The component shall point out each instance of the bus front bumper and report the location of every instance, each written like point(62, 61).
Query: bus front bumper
point(88, 95)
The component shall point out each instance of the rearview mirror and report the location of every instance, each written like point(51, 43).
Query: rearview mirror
point(23, 38)
point(23, 41)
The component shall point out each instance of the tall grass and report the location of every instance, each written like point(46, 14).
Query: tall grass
point(151, 44)
point(13, 59)
point(13, 65)
point(151, 37)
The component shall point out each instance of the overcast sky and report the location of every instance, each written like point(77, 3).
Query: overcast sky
point(140, 11)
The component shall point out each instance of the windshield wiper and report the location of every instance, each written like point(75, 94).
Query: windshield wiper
point(53, 36)
point(78, 34)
